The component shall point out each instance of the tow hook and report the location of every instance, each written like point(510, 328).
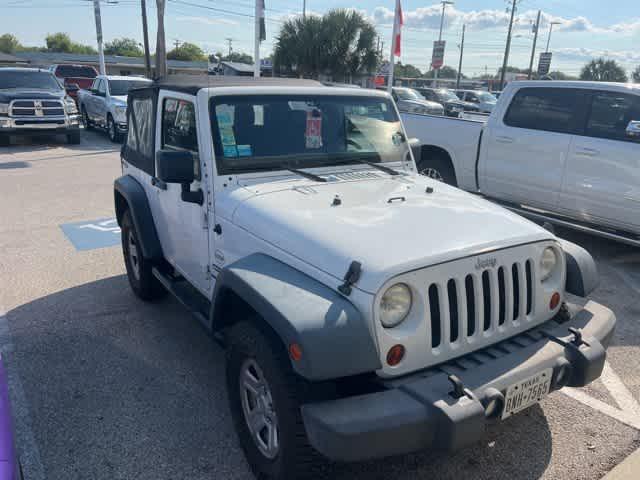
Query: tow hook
point(458, 388)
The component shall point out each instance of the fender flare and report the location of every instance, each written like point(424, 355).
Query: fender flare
point(128, 193)
point(582, 273)
point(334, 337)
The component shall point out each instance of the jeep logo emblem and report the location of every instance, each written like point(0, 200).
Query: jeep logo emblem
point(483, 263)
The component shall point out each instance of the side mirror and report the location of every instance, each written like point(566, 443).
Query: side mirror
point(633, 130)
point(72, 87)
point(175, 166)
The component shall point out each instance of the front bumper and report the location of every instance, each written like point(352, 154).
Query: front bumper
point(420, 411)
point(39, 125)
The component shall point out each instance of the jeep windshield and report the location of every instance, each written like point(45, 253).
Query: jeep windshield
point(276, 132)
point(28, 79)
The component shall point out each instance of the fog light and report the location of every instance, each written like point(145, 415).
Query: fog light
point(395, 355)
point(555, 301)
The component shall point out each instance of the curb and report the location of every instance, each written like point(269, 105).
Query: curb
point(629, 469)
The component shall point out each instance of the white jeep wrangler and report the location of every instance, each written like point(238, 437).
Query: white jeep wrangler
point(366, 310)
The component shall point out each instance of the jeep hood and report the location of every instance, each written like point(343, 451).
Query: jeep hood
point(390, 225)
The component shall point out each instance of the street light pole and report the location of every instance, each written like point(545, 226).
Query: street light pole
point(535, 41)
point(551, 30)
point(145, 36)
point(460, 63)
point(304, 8)
point(444, 7)
point(96, 12)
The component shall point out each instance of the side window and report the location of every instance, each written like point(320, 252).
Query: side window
point(140, 139)
point(102, 87)
point(94, 85)
point(179, 129)
point(548, 109)
point(610, 115)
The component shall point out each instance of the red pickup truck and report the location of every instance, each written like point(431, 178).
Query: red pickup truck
point(74, 77)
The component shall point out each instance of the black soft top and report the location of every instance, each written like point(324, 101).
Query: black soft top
point(192, 83)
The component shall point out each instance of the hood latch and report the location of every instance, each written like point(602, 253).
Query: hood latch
point(351, 277)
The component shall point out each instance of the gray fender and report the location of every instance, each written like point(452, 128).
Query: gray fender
point(129, 189)
point(582, 274)
point(333, 335)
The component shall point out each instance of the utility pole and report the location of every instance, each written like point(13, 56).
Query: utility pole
point(304, 8)
point(96, 12)
point(536, 29)
point(145, 36)
point(460, 62)
point(176, 43)
point(508, 46)
point(444, 6)
point(161, 46)
point(230, 42)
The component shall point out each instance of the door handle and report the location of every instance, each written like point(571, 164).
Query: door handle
point(505, 139)
point(587, 152)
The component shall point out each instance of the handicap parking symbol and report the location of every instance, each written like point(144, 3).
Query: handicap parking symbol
point(89, 235)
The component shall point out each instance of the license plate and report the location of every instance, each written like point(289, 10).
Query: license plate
point(527, 392)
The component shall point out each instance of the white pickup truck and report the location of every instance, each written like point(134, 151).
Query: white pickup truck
point(563, 152)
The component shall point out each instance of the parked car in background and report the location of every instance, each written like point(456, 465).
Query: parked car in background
point(563, 152)
point(453, 106)
point(33, 102)
point(483, 100)
point(74, 77)
point(104, 105)
point(410, 101)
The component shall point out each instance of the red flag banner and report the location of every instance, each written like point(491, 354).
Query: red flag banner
point(398, 21)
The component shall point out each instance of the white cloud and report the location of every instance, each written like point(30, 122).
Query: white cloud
point(429, 18)
point(586, 54)
point(207, 20)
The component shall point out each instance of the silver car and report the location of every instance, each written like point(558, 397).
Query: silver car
point(409, 100)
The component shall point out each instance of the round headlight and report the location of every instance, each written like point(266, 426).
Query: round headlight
point(548, 263)
point(395, 305)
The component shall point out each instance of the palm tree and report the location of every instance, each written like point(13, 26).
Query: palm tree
point(602, 70)
point(339, 44)
point(636, 74)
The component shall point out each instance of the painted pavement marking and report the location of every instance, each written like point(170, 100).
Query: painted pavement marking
point(92, 234)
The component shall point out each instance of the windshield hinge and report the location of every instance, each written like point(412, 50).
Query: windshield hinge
point(205, 220)
point(350, 278)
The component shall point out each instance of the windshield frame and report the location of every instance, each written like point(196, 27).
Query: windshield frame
point(30, 73)
point(279, 163)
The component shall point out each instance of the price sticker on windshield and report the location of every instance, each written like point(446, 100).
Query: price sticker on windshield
point(313, 132)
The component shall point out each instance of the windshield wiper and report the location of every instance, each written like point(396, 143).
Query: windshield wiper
point(376, 165)
point(310, 176)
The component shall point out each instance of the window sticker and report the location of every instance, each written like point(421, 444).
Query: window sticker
point(226, 135)
point(224, 114)
point(230, 151)
point(313, 133)
point(244, 150)
point(258, 115)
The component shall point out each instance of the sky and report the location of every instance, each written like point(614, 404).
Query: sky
point(589, 28)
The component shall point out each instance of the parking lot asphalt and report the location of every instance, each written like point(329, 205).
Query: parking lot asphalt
point(104, 386)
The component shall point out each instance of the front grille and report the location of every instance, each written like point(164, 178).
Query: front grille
point(477, 305)
point(36, 108)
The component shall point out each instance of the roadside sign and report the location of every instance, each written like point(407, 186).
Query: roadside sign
point(92, 234)
point(437, 58)
point(544, 64)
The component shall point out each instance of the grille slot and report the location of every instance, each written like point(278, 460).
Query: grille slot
point(36, 108)
point(462, 308)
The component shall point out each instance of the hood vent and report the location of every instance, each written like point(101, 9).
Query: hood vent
point(353, 176)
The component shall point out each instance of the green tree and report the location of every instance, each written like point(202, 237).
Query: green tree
point(237, 57)
point(188, 52)
point(636, 75)
point(125, 47)
point(339, 44)
point(558, 75)
point(9, 43)
point(445, 72)
point(61, 42)
point(406, 71)
point(602, 70)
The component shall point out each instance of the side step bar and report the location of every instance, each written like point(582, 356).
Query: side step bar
point(574, 225)
point(190, 298)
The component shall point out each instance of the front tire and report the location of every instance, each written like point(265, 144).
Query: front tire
point(264, 398)
point(112, 130)
point(143, 283)
point(438, 167)
point(85, 119)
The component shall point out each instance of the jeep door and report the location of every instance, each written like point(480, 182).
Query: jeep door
point(182, 225)
point(602, 181)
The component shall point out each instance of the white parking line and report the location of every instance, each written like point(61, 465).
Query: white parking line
point(629, 408)
point(26, 443)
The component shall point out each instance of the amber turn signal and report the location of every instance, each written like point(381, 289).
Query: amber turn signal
point(295, 352)
point(555, 301)
point(395, 355)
